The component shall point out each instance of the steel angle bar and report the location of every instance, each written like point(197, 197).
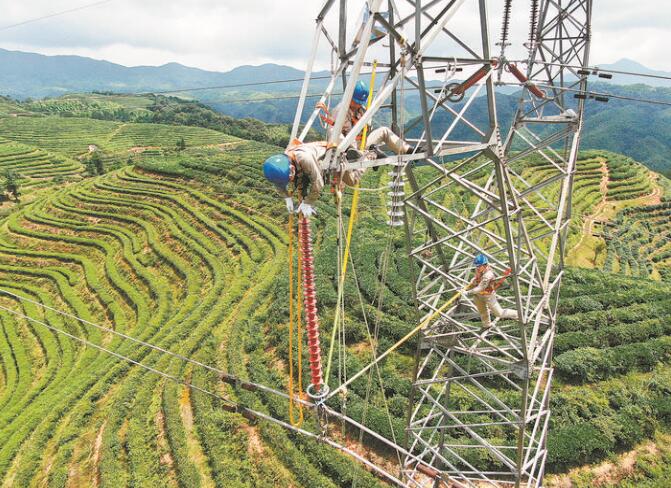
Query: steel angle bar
point(490, 198)
point(322, 99)
point(447, 108)
point(463, 110)
point(306, 81)
point(457, 378)
point(456, 472)
point(330, 40)
point(444, 29)
point(477, 437)
point(472, 225)
point(442, 459)
point(483, 355)
point(324, 10)
point(488, 392)
point(543, 144)
point(444, 242)
point(416, 159)
point(493, 395)
point(354, 78)
point(539, 149)
point(478, 350)
point(421, 190)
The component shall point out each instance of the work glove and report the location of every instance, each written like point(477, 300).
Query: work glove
point(290, 204)
point(306, 209)
point(464, 292)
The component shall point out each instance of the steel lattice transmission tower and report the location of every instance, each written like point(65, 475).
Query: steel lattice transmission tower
point(479, 407)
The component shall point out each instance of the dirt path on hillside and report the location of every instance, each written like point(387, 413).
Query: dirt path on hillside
point(654, 198)
point(141, 149)
point(605, 210)
point(588, 225)
point(196, 454)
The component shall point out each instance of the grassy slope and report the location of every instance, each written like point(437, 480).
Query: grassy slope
point(195, 263)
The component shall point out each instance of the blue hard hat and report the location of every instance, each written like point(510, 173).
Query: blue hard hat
point(480, 260)
point(361, 91)
point(277, 170)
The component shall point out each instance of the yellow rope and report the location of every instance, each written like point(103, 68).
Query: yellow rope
point(350, 227)
point(355, 197)
point(424, 323)
point(292, 419)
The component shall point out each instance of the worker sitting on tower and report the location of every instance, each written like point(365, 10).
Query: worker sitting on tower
point(483, 289)
point(376, 138)
point(300, 165)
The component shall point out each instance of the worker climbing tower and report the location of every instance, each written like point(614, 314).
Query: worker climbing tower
point(480, 401)
point(478, 411)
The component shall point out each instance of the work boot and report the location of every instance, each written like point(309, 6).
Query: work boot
point(353, 154)
point(420, 148)
point(379, 153)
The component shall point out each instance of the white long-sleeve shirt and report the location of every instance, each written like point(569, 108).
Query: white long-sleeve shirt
point(487, 277)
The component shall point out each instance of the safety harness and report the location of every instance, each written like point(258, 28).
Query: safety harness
point(494, 284)
point(327, 118)
point(293, 146)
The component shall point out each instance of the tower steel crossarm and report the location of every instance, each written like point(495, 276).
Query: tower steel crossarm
point(480, 401)
point(479, 407)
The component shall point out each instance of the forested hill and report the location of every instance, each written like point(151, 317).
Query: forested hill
point(147, 109)
point(636, 129)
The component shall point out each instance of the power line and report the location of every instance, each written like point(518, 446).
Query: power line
point(232, 406)
point(117, 355)
point(315, 95)
point(55, 14)
point(112, 331)
point(238, 85)
point(601, 94)
point(125, 336)
point(603, 70)
point(260, 83)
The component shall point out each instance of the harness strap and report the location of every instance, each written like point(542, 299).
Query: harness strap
point(324, 115)
point(500, 281)
point(494, 284)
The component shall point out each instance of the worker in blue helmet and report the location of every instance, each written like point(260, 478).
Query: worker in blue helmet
point(377, 138)
point(299, 166)
point(483, 290)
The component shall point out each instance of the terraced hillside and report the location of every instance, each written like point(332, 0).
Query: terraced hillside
point(186, 250)
point(612, 351)
point(36, 166)
point(176, 268)
point(71, 136)
point(639, 242)
point(624, 186)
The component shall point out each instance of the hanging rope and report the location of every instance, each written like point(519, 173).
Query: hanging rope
point(384, 268)
point(350, 226)
point(297, 323)
point(401, 341)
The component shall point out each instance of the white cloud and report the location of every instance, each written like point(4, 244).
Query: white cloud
point(220, 35)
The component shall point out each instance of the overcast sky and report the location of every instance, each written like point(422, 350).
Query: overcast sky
point(221, 34)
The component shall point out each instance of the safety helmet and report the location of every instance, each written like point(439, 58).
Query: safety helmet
point(277, 170)
point(361, 91)
point(480, 260)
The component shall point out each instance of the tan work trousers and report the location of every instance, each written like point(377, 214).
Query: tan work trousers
point(381, 135)
point(386, 135)
point(487, 303)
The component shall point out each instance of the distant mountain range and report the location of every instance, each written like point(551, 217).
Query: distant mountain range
point(36, 75)
point(631, 66)
point(639, 130)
